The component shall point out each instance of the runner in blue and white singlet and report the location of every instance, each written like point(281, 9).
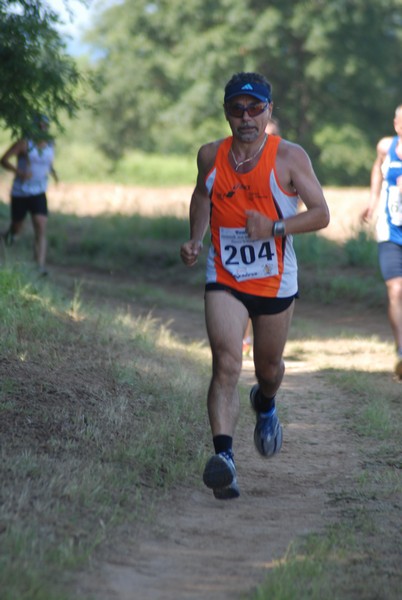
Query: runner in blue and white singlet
point(389, 223)
point(386, 194)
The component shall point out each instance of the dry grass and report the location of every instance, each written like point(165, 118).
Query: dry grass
point(89, 199)
point(345, 204)
point(80, 428)
point(80, 401)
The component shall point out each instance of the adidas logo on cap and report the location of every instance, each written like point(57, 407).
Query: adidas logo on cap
point(247, 86)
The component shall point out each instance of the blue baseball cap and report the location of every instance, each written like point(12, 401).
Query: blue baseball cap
point(243, 88)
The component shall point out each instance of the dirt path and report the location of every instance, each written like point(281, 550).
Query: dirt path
point(199, 548)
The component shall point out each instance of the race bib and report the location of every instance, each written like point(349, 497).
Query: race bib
point(395, 205)
point(246, 259)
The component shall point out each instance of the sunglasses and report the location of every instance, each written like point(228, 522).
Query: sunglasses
point(253, 110)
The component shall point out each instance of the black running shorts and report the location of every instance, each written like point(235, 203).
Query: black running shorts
point(256, 305)
point(21, 205)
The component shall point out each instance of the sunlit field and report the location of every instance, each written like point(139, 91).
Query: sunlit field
point(92, 199)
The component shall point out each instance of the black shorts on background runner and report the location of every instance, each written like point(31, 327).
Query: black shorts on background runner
point(21, 205)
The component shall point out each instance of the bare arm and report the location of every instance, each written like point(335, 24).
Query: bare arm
point(199, 207)
point(376, 179)
point(54, 174)
point(52, 170)
point(295, 173)
point(19, 147)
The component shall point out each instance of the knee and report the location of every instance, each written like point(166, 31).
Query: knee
point(270, 372)
point(40, 230)
point(395, 291)
point(226, 366)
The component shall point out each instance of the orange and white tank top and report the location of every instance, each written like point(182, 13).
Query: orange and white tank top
point(265, 267)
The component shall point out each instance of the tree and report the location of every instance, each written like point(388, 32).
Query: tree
point(36, 74)
point(334, 65)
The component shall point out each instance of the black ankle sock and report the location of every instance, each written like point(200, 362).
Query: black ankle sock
point(223, 443)
point(263, 404)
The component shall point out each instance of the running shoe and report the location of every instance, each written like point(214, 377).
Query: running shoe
point(268, 430)
point(220, 476)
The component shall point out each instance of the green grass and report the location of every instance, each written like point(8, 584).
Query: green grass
point(303, 572)
point(102, 413)
point(359, 556)
point(84, 163)
point(374, 415)
point(149, 247)
point(330, 271)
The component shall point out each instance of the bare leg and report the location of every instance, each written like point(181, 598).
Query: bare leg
point(14, 229)
point(39, 223)
point(226, 319)
point(270, 335)
point(394, 289)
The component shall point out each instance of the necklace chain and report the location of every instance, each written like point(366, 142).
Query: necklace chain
point(240, 163)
